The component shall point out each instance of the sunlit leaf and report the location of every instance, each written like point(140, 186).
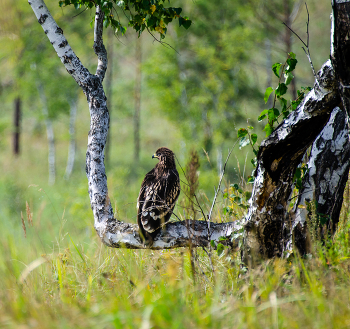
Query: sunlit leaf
point(268, 92)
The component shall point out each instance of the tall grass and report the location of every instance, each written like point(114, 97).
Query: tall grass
point(87, 285)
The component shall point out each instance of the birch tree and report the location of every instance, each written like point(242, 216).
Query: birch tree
point(269, 226)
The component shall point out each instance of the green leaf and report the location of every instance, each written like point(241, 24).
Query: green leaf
point(250, 180)
point(250, 127)
point(276, 68)
point(222, 238)
point(283, 102)
point(235, 186)
point(212, 243)
point(288, 78)
point(242, 132)
point(291, 55)
point(268, 92)
point(220, 249)
point(291, 64)
point(262, 115)
point(273, 114)
point(297, 173)
point(281, 89)
point(185, 22)
point(254, 138)
point(268, 130)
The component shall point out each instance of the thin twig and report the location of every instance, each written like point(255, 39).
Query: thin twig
point(183, 171)
point(307, 53)
point(162, 42)
point(217, 190)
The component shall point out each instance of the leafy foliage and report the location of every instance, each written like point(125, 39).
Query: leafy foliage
point(151, 15)
point(202, 86)
point(273, 114)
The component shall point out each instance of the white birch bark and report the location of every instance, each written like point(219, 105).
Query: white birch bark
point(324, 183)
point(266, 230)
point(113, 232)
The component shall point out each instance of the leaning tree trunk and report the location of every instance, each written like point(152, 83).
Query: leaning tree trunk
point(320, 200)
point(113, 232)
point(268, 225)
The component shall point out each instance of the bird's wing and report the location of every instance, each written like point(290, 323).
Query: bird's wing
point(158, 200)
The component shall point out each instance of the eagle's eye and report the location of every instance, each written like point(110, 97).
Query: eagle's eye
point(158, 154)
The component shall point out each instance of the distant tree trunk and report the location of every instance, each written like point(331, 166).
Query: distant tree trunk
point(109, 93)
point(50, 136)
point(137, 99)
point(72, 143)
point(17, 126)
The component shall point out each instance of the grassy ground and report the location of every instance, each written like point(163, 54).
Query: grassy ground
point(87, 285)
point(55, 273)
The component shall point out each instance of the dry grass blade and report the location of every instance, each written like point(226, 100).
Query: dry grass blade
point(32, 266)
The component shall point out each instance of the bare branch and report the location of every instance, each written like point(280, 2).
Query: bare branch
point(119, 234)
point(99, 47)
point(55, 34)
point(307, 50)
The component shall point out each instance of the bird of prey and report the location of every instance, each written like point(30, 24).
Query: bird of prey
point(158, 194)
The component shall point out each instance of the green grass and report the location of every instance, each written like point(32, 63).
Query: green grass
point(89, 285)
point(61, 276)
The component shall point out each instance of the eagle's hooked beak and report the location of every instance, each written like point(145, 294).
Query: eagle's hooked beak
point(154, 156)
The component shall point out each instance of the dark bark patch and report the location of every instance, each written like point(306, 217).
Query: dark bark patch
point(42, 19)
point(63, 44)
point(59, 30)
point(66, 59)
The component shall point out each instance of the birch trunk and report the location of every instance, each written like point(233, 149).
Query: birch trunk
point(113, 232)
point(268, 225)
point(319, 203)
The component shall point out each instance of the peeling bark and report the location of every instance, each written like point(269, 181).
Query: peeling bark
point(324, 182)
point(266, 229)
point(340, 49)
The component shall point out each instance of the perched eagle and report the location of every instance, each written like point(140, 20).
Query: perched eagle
point(159, 192)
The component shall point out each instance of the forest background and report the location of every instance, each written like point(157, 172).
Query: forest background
point(191, 94)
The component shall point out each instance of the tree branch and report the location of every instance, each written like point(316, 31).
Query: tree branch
point(55, 34)
point(118, 234)
point(99, 47)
